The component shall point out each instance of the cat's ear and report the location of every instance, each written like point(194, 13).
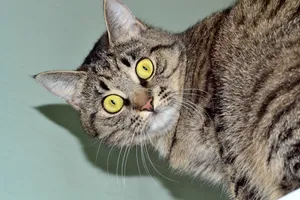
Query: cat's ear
point(64, 84)
point(121, 24)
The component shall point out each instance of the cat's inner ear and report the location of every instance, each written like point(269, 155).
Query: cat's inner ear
point(64, 84)
point(121, 24)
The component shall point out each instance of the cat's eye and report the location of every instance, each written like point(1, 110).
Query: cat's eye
point(144, 69)
point(113, 103)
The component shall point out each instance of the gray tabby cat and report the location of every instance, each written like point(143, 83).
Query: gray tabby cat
point(220, 100)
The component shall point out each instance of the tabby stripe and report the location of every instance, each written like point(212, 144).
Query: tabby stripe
point(295, 152)
point(174, 141)
point(296, 167)
point(198, 71)
point(270, 154)
point(276, 29)
point(92, 120)
point(116, 64)
point(251, 194)
point(209, 75)
point(125, 62)
point(283, 136)
point(253, 2)
point(174, 69)
point(266, 4)
point(263, 78)
point(160, 47)
point(277, 9)
point(262, 10)
point(293, 156)
point(230, 158)
point(105, 77)
point(280, 115)
point(93, 69)
point(295, 16)
point(217, 28)
point(283, 88)
point(214, 82)
point(241, 182)
point(221, 149)
point(103, 86)
point(241, 20)
point(164, 67)
point(204, 46)
point(111, 55)
point(287, 186)
point(196, 68)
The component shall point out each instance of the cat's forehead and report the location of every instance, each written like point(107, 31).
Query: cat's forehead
point(130, 49)
point(115, 64)
point(143, 43)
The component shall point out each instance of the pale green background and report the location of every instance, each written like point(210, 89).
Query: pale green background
point(43, 151)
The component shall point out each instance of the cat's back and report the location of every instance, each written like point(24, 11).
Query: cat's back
point(257, 58)
point(257, 62)
point(259, 31)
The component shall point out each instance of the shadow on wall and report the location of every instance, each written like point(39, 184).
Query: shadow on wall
point(184, 188)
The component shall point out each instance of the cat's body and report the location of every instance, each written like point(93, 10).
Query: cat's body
point(227, 93)
point(250, 67)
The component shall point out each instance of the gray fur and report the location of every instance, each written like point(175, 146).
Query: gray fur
point(226, 93)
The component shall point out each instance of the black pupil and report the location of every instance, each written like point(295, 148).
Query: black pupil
point(145, 68)
point(113, 102)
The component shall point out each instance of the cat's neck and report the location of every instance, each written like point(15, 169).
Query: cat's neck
point(182, 147)
point(199, 41)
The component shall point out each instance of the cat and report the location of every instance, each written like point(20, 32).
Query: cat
point(220, 100)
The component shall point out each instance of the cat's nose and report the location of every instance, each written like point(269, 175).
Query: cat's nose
point(143, 101)
point(148, 106)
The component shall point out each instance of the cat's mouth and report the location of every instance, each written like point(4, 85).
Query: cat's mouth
point(162, 119)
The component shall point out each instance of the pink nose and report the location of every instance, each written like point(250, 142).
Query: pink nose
point(148, 106)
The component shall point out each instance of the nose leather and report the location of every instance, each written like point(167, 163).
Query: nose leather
point(148, 106)
point(143, 101)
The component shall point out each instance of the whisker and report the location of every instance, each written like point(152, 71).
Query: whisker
point(199, 107)
point(117, 167)
point(189, 108)
point(107, 161)
point(122, 163)
point(192, 107)
point(100, 143)
point(126, 158)
point(195, 89)
point(152, 145)
point(145, 165)
point(151, 162)
point(92, 144)
point(143, 160)
point(137, 160)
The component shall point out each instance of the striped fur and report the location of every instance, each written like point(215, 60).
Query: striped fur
point(233, 80)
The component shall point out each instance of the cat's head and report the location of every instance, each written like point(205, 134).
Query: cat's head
point(128, 89)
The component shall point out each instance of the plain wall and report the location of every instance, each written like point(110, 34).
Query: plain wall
point(44, 153)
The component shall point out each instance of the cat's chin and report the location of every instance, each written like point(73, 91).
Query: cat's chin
point(162, 120)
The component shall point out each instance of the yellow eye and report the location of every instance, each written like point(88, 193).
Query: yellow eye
point(144, 69)
point(113, 103)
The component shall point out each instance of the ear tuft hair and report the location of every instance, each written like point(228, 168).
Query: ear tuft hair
point(64, 84)
point(121, 23)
